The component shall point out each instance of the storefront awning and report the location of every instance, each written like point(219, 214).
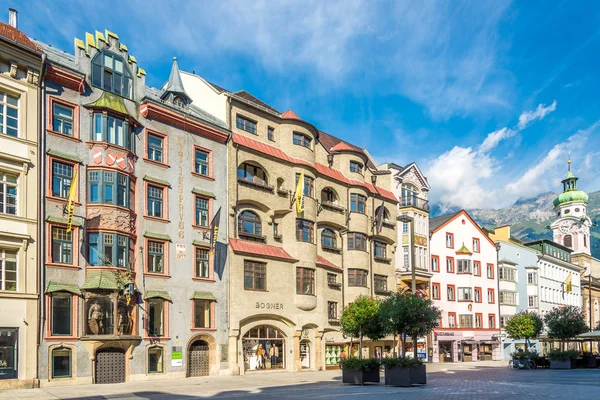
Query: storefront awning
point(53, 287)
point(204, 296)
point(157, 294)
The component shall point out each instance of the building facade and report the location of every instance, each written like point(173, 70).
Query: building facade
point(131, 292)
point(20, 71)
point(464, 286)
point(517, 280)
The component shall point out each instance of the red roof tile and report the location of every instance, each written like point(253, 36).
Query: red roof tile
point(343, 146)
point(17, 36)
point(322, 169)
point(325, 263)
point(259, 249)
point(290, 114)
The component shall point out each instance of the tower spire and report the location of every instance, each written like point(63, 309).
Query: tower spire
point(569, 162)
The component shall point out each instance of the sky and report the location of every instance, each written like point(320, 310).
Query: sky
point(488, 97)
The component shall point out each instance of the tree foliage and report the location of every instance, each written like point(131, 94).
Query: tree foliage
point(361, 319)
point(565, 322)
point(405, 314)
point(524, 325)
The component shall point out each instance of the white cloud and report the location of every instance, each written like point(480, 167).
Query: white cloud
point(539, 113)
point(493, 139)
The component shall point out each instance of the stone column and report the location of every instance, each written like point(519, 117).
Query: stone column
point(319, 364)
point(233, 355)
point(296, 363)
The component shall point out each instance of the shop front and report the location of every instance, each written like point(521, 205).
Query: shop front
point(465, 346)
point(264, 348)
point(9, 339)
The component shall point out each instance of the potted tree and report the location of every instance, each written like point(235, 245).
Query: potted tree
point(361, 319)
point(525, 325)
point(407, 315)
point(564, 323)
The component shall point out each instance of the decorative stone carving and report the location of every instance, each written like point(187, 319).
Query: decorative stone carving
point(13, 70)
point(100, 218)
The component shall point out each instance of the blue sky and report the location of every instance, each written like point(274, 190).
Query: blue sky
point(487, 96)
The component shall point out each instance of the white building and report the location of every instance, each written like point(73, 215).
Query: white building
point(464, 286)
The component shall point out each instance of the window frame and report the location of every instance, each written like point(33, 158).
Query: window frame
point(210, 266)
point(454, 325)
point(490, 318)
point(252, 176)
point(487, 268)
point(164, 149)
point(453, 291)
point(302, 139)
point(148, 350)
point(377, 244)
point(209, 162)
point(363, 239)
point(74, 248)
point(439, 291)
point(356, 273)
point(476, 268)
point(493, 294)
point(358, 167)
point(5, 184)
point(4, 105)
point(3, 269)
point(73, 302)
point(211, 315)
point(244, 126)
point(458, 266)
point(465, 290)
point(52, 101)
point(437, 259)
point(103, 134)
point(332, 305)
point(302, 286)
point(50, 170)
point(308, 187)
point(377, 280)
point(165, 257)
point(165, 319)
point(356, 200)
point(254, 272)
point(450, 264)
point(51, 351)
point(271, 133)
point(116, 188)
point(333, 238)
point(300, 230)
point(101, 244)
point(209, 210)
point(465, 316)
point(162, 189)
point(125, 74)
point(257, 223)
point(449, 236)
point(476, 290)
point(480, 324)
point(476, 248)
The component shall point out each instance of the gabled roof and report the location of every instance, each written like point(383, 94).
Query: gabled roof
point(437, 222)
point(407, 168)
point(13, 34)
point(291, 115)
point(248, 97)
point(260, 250)
point(332, 143)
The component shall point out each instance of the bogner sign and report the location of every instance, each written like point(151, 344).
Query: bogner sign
point(269, 306)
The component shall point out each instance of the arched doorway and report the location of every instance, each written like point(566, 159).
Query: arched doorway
point(264, 348)
point(198, 359)
point(110, 366)
point(305, 354)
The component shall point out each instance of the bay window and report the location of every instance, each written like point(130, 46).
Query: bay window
point(357, 277)
point(117, 131)
point(305, 281)
point(108, 249)
point(357, 241)
point(108, 187)
point(110, 72)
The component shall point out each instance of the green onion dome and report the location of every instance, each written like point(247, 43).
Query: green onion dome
point(571, 196)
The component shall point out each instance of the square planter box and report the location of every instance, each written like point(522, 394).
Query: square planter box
point(360, 377)
point(406, 376)
point(561, 364)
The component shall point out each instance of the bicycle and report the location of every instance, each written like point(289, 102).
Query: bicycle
point(521, 363)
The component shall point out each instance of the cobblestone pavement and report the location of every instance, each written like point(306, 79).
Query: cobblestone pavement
point(486, 380)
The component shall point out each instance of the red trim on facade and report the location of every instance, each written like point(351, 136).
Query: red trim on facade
point(259, 249)
point(326, 263)
point(65, 78)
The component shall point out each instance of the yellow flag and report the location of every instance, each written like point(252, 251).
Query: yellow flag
point(71, 201)
point(299, 195)
point(569, 283)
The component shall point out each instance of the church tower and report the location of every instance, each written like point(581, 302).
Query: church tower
point(572, 226)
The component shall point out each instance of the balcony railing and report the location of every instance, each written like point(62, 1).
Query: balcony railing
point(413, 201)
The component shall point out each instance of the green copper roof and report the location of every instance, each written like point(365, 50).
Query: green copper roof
point(203, 296)
point(156, 180)
point(463, 250)
point(160, 236)
point(160, 294)
point(571, 196)
point(569, 176)
point(204, 193)
point(101, 280)
point(63, 155)
point(62, 287)
point(111, 102)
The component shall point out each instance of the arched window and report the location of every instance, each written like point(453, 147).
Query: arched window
point(249, 223)
point(328, 196)
point(568, 241)
point(409, 194)
point(110, 72)
point(328, 238)
point(252, 173)
point(61, 362)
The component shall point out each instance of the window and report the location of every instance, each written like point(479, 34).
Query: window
point(435, 291)
point(357, 241)
point(202, 211)
point(107, 187)
point(304, 231)
point(466, 321)
point(155, 201)
point(155, 148)
point(110, 72)
point(202, 314)
point(156, 257)
point(405, 255)
point(245, 124)
point(451, 293)
point(305, 281)
point(201, 163)
point(405, 227)
point(450, 265)
point(9, 114)
point(8, 193)
point(108, 249)
point(117, 131)
point(490, 271)
point(476, 268)
point(532, 278)
point(568, 241)
point(301, 140)
point(357, 277)
point(255, 275)
point(252, 173)
point(477, 292)
point(155, 360)
point(479, 321)
point(380, 283)
point(156, 317)
point(492, 321)
point(328, 196)
point(357, 203)
point(503, 321)
point(62, 245)
point(450, 240)
point(61, 362)
point(465, 294)
point(61, 314)
point(332, 310)
point(491, 296)
point(435, 263)
point(328, 238)
point(308, 185)
point(509, 298)
point(380, 249)
point(356, 167)
point(8, 270)
point(331, 279)
point(532, 301)
point(249, 223)
point(451, 320)
point(507, 274)
point(464, 266)
point(62, 174)
point(202, 263)
point(62, 119)
point(475, 245)
point(271, 133)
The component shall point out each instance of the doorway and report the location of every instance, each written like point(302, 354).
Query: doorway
point(198, 362)
point(110, 366)
point(305, 354)
point(446, 352)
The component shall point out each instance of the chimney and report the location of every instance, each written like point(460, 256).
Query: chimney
point(12, 17)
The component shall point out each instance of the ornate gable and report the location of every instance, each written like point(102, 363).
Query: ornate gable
point(412, 174)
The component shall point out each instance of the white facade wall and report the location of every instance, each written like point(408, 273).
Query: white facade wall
point(552, 276)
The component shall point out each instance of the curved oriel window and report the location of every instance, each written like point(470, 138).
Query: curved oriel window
point(113, 130)
point(328, 238)
point(110, 72)
point(109, 187)
point(108, 249)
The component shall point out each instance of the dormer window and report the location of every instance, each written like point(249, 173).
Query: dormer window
point(110, 72)
point(356, 167)
point(179, 102)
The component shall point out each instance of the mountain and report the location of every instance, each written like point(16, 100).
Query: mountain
point(529, 218)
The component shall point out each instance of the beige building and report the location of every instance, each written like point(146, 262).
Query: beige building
point(20, 65)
